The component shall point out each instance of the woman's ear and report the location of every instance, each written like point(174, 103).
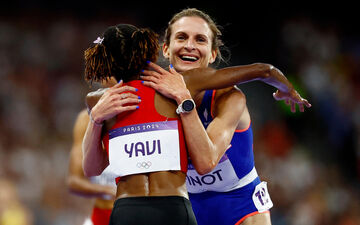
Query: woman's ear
point(165, 50)
point(213, 56)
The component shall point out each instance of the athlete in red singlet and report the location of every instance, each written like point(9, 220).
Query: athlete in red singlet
point(145, 152)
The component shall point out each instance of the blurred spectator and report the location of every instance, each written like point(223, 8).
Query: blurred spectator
point(12, 210)
point(312, 160)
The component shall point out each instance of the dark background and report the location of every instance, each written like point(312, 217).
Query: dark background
point(310, 160)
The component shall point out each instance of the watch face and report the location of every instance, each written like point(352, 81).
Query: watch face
point(188, 105)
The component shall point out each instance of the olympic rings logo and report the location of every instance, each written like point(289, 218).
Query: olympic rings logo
point(145, 165)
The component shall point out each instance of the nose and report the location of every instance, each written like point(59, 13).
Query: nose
point(190, 45)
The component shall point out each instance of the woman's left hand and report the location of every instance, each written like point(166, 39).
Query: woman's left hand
point(292, 98)
point(170, 83)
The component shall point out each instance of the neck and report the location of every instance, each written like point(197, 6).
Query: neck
point(134, 77)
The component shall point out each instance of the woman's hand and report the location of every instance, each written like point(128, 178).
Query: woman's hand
point(114, 101)
point(292, 98)
point(170, 83)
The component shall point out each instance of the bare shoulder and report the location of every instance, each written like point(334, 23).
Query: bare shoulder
point(93, 97)
point(236, 91)
point(230, 104)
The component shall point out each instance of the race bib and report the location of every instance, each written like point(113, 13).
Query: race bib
point(144, 148)
point(261, 197)
point(222, 178)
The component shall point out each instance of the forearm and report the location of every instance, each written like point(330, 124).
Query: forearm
point(83, 186)
point(203, 153)
point(276, 78)
point(94, 157)
point(226, 77)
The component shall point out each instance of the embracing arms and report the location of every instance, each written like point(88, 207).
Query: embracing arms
point(208, 78)
point(206, 147)
point(112, 102)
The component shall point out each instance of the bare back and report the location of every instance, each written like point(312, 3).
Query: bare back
point(163, 183)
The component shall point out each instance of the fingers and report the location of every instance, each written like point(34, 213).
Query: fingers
point(307, 104)
point(128, 108)
point(293, 107)
point(117, 89)
point(301, 107)
point(172, 69)
point(149, 78)
point(150, 84)
point(128, 95)
point(156, 67)
point(129, 101)
point(151, 73)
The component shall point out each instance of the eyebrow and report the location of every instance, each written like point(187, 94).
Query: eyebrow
point(181, 33)
point(202, 36)
point(197, 35)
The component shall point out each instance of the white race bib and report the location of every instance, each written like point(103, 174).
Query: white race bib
point(261, 197)
point(144, 148)
point(221, 178)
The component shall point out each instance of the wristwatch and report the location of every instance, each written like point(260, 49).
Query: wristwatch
point(186, 106)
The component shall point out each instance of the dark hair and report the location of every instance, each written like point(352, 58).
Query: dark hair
point(216, 42)
point(121, 53)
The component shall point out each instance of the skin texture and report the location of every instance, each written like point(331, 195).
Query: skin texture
point(107, 103)
point(77, 182)
point(190, 39)
point(191, 84)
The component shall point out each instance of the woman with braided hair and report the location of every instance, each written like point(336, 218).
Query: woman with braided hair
point(138, 132)
point(134, 124)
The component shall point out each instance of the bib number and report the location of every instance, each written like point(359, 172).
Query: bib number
point(144, 148)
point(261, 197)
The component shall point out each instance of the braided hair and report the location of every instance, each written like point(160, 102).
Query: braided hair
point(122, 53)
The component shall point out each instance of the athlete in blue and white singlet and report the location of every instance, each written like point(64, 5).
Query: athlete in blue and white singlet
point(232, 191)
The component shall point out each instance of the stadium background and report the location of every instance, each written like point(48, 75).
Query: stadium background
point(311, 160)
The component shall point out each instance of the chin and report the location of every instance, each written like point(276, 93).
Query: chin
point(185, 67)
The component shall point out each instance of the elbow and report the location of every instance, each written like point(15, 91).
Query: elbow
point(70, 183)
point(265, 69)
point(205, 167)
point(89, 172)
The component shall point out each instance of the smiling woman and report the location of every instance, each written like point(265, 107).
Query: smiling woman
point(191, 44)
point(194, 41)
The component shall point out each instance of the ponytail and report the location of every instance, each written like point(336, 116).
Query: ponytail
point(121, 53)
point(145, 47)
point(97, 63)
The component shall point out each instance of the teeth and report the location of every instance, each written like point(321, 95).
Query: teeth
point(189, 58)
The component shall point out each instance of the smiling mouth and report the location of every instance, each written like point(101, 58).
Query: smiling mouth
point(189, 58)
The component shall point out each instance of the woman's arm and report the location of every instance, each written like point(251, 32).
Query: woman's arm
point(111, 103)
point(205, 147)
point(201, 79)
point(76, 180)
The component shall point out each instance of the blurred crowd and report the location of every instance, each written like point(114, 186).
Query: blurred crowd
point(311, 160)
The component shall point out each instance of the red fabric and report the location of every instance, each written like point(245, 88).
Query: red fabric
point(146, 113)
point(100, 216)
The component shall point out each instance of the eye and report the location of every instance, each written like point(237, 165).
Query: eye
point(202, 39)
point(181, 37)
